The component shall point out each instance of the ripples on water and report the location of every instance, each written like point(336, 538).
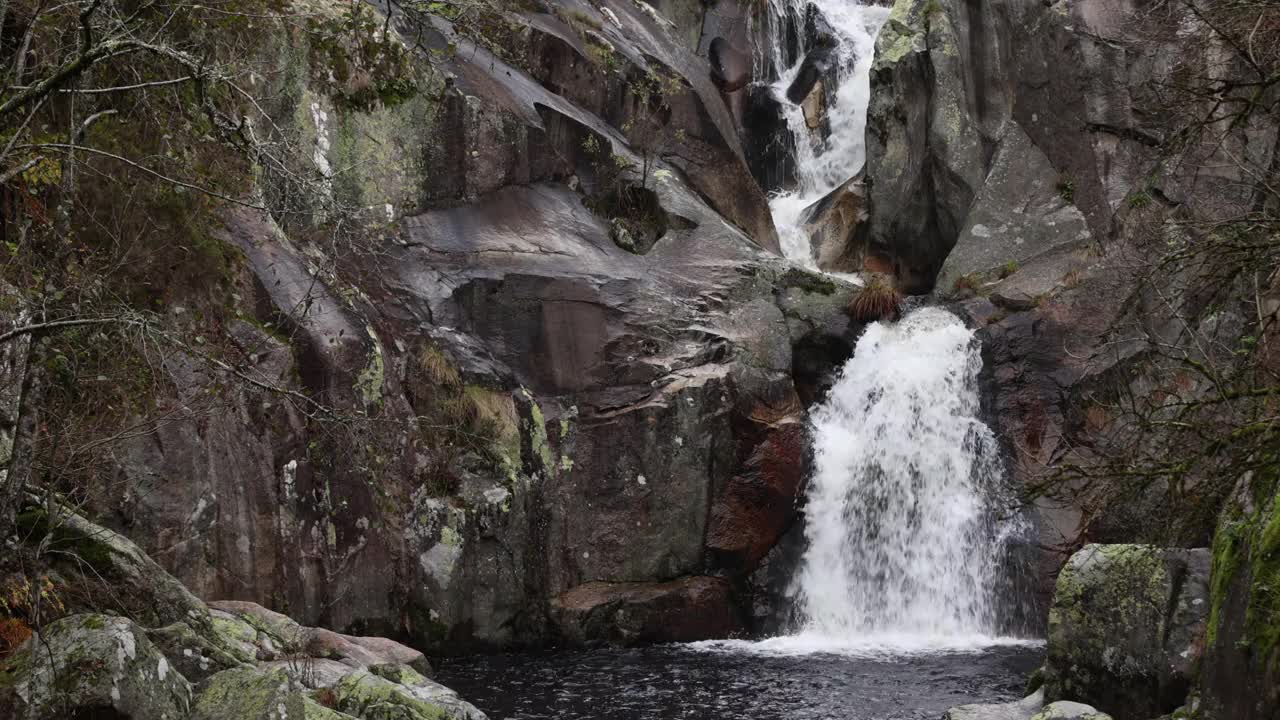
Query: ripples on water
point(712, 681)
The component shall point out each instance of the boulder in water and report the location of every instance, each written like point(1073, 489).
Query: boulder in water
point(832, 224)
point(1023, 709)
point(1127, 628)
point(817, 63)
point(1064, 710)
point(691, 608)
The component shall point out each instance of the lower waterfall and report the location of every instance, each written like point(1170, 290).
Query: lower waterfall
point(904, 538)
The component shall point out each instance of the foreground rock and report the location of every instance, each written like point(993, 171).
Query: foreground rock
point(92, 663)
point(1126, 630)
point(237, 661)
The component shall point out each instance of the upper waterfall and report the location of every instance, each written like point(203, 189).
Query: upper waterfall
point(822, 164)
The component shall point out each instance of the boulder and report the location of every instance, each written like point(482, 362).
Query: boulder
point(817, 64)
point(267, 633)
point(1127, 626)
point(1023, 709)
point(684, 610)
point(198, 656)
point(90, 663)
point(832, 224)
point(250, 694)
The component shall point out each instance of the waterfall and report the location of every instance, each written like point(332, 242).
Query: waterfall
point(822, 165)
point(903, 536)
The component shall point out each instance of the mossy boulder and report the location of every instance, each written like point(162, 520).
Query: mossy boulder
point(250, 694)
point(366, 695)
point(86, 664)
point(195, 655)
point(1126, 628)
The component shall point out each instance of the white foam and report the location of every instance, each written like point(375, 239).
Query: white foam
point(883, 646)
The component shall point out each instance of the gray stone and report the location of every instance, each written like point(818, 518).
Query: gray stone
point(1020, 213)
point(86, 663)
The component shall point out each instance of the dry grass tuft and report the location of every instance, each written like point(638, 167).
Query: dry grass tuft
point(878, 299)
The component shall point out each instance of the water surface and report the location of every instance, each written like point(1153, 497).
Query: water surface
point(709, 682)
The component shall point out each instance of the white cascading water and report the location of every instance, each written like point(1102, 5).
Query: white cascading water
point(903, 544)
point(822, 165)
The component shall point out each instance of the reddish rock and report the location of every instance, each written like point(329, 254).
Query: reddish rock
point(757, 505)
point(683, 610)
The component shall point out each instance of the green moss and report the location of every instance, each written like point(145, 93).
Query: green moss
point(1227, 544)
point(397, 673)
point(247, 693)
point(369, 381)
point(373, 698)
point(1246, 547)
point(93, 622)
point(536, 430)
point(809, 282)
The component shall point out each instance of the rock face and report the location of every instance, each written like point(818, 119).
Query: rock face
point(1127, 628)
point(491, 403)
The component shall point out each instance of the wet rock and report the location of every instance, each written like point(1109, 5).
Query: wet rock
point(1127, 627)
point(730, 67)
point(1240, 673)
point(833, 225)
point(691, 608)
point(772, 158)
point(1063, 710)
point(86, 664)
point(1023, 709)
point(758, 504)
point(817, 63)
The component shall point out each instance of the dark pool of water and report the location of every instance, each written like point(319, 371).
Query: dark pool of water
point(676, 682)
